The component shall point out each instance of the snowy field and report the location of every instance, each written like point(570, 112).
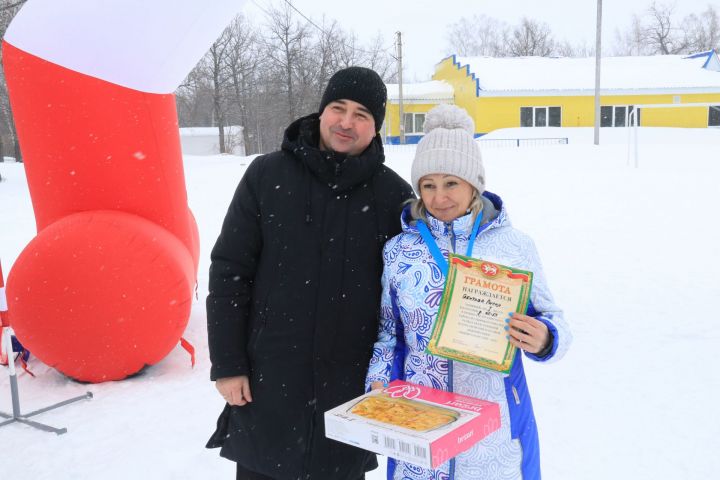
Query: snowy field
point(626, 250)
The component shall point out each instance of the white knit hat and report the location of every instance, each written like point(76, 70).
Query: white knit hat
point(448, 147)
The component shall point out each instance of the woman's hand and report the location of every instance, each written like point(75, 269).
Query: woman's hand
point(377, 385)
point(527, 333)
point(235, 390)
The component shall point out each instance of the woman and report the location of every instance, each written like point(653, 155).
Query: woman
point(456, 213)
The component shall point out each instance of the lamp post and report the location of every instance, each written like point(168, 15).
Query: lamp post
point(598, 56)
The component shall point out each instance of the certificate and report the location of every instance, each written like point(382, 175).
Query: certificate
point(477, 299)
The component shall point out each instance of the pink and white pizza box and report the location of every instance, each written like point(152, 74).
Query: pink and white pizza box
point(412, 423)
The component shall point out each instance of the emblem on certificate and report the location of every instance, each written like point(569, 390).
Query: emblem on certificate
point(478, 296)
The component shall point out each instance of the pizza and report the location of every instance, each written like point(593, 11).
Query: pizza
point(404, 413)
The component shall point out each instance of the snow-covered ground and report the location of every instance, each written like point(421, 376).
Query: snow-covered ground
point(628, 252)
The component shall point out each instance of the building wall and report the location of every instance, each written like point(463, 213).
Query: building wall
point(491, 113)
point(689, 117)
point(393, 114)
point(504, 112)
point(579, 111)
point(205, 141)
point(392, 121)
point(464, 85)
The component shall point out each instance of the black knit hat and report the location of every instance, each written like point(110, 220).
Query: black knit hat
point(361, 85)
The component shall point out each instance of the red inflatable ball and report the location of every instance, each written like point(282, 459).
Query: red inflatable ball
point(102, 289)
point(99, 295)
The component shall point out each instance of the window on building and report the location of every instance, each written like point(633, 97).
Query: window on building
point(554, 116)
point(620, 114)
point(714, 116)
point(526, 116)
point(540, 116)
point(414, 123)
point(419, 122)
point(616, 116)
point(606, 116)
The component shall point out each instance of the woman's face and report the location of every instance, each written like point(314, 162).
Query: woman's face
point(446, 197)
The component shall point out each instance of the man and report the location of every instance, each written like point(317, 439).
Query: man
point(295, 287)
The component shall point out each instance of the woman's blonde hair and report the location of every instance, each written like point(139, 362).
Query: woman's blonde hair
point(418, 211)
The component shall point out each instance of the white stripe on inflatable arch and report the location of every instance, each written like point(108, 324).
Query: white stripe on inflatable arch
point(146, 45)
point(3, 300)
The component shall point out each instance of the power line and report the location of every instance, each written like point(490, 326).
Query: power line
point(386, 50)
point(261, 8)
point(325, 33)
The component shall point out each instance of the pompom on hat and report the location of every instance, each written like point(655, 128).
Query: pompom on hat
point(448, 147)
point(361, 85)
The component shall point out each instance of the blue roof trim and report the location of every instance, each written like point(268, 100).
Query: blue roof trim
point(713, 54)
point(710, 54)
point(413, 138)
point(467, 72)
point(699, 54)
point(410, 139)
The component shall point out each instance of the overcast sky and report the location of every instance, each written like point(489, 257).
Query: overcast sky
point(424, 23)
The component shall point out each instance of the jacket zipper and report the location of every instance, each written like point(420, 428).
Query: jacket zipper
point(308, 447)
point(515, 394)
point(449, 231)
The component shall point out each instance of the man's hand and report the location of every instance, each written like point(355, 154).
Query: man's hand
point(235, 390)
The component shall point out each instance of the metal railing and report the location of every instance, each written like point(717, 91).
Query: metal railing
point(497, 143)
point(521, 142)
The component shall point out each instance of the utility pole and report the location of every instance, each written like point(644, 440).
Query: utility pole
point(400, 88)
point(598, 56)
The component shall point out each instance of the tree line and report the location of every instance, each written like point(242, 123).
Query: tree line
point(9, 145)
point(264, 75)
point(657, 30)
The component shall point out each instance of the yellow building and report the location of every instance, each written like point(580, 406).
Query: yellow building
point(418, 98)
point(548, 92)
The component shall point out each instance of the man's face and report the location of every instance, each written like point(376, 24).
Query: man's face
point(346, 127)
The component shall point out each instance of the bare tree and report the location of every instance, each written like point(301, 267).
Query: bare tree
point(659, 31)
point(376, 56)
point(567, 49)
point(703, 32)
point(632, 41)
point(662, 32)
point(194, 96)
point(217, 60)
point(531, 38)
point(265, 78)
point(348, 51)
point(285, 42)
point(478, 35)
point(326, 52)
point(8, 134)
point(11, 5)
point(242, 63)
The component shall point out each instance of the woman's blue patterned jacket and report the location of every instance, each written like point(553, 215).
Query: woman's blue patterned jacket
point(412, 288)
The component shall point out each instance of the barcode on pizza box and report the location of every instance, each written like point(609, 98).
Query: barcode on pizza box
point(407, 448)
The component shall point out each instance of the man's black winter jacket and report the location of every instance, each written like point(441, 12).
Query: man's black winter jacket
point(294, 299)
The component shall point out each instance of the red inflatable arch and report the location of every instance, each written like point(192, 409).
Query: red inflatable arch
point(106, 286)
